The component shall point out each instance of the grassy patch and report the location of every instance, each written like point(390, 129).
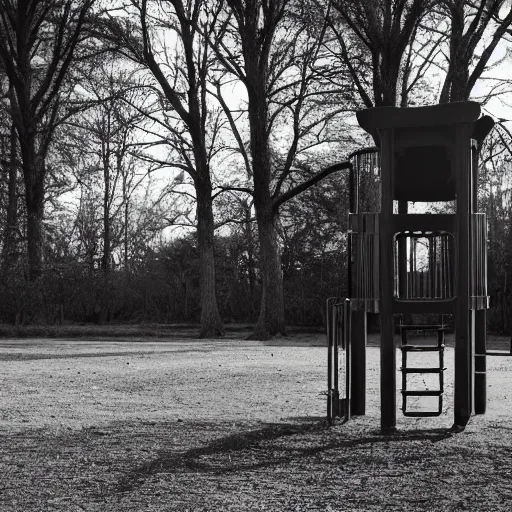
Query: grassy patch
point(96, 331)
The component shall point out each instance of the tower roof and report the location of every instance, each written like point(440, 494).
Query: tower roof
point(424, 139)
point(433, 115)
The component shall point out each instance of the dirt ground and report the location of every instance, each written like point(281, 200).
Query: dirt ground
point(231, 425)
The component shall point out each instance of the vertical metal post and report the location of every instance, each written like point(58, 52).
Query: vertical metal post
point(336, 385)
point(480, 314)
point(480, 361)
point(402, 257)
point(440, 344)
point(330, 336)
point(358, 332)
point(358, 362)
point(387, 342)
point(463, 394)
point(404, 366)
point(351, 209)
point(347, 327)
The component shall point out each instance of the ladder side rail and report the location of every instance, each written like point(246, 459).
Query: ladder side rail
point(336, 363)
point(330, 333)
point(332, 360)
point(347, 328)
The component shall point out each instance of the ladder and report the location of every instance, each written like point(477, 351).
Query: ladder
point(439, 370)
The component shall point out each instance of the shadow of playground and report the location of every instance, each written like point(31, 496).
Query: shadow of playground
point(272, 445)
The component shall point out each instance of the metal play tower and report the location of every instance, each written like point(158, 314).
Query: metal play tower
point(402, 264)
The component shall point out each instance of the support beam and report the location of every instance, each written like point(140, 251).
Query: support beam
point(463, 394)
point(386, 271)
point(480, 361)
point(402, 258)
point(358, 360)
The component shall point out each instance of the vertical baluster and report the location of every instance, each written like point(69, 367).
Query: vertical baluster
point(410, 273)
point(370, 265)
point(413, 273)
point(359, 264)
point(441, 267)
point(398, 274)
point(480, 251)
point(473, 256)
point(367, 264)
point(434, 241)
point(449, 272)
point(431, 266)
point(448, 269)
point(365, 268)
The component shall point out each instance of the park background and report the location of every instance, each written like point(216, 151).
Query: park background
point(185, 161)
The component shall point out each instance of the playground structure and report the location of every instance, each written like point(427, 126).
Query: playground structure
point(402, 265)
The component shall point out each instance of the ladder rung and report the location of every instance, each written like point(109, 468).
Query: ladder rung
point(422, 392)
point(423, 370)
point(423, 328)
point(421, 348)
point(422, 414)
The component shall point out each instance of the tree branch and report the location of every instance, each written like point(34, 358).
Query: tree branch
point(289, 194)
point(229, 189)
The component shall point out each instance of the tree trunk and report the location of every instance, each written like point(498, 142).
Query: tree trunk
point(9, 253)
point(459, 83)
point(34, 195)
point(251, 265)
point(389, 79)
point(35, 237)
point(211, 323)
point(271, 319)
point(453, 88)
point(125, 228)
point(105, 259)
point(105, 156)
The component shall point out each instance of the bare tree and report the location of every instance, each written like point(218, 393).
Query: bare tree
point(179, 82)
point(267, 48)
point(9, 163)
point(385, 29)
point(38, 40)
point(107, 134)
point(469, 23)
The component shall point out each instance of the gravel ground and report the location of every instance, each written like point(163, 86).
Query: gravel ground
point(230, 425)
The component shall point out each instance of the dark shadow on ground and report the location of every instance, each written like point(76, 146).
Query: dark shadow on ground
point(266, 447)
point(191, 459)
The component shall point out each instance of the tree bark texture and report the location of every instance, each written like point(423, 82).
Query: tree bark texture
point(195, 119)
point(211, 323)
point(46, 33)
point(454, 86)
point(9, 249)
point(34, 176)
point(251, 264)
point(271, 318)
point(105, 260)
point(385, 28)
point(466, 35)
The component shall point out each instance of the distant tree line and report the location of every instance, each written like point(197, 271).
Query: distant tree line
point(172, 161)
